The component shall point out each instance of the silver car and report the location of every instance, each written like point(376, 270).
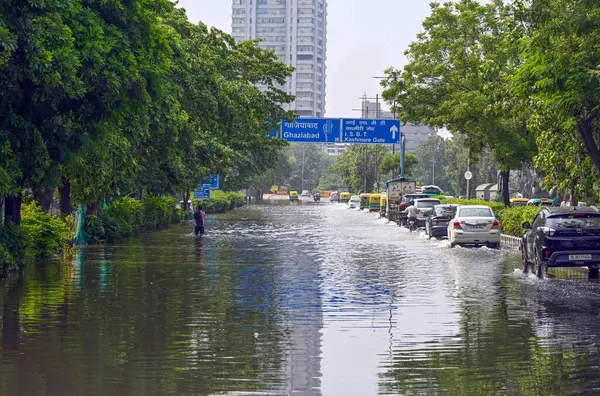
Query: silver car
point(474, 225)
point(354, 202)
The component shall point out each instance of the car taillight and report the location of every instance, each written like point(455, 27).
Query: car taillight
point(546, 253)
point(435, 220)
point(548, 231)
point(457, 224)
point(496, 225)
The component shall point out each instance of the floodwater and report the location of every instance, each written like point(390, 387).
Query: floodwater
point(307, 299)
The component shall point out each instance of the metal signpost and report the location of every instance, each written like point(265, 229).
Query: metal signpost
point(341, 130)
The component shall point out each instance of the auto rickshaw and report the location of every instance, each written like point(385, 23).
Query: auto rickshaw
point(364, 201)
point(293, 196)
point(382, 205)
point(345, 197)
point(374, 202)
point(519, 201)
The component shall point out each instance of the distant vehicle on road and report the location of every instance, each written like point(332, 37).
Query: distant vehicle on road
point(474, 225)
point(395, 189)
point(345, 197)
point(293, 195)
point(334, 197)
point(562, 237)
point(424, 206)
point(374, 202)
point(382, 205)
point(354, 202)
point(432, 191)
point(305, 193)
point(405, 202)
point(364, 201)
point(436, 225)
point(519, 201)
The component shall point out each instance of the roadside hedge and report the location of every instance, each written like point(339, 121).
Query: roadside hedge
point(41, 236)
point(511, 219)
point(127, 216)
point(221, 201)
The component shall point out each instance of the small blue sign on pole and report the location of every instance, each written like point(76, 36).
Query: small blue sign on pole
point(366, 131)
point(202, 193)
point(311, 130)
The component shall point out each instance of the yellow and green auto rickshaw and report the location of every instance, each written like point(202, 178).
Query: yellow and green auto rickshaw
point(383, 205)
point(293, 196)
point(345, 197)
point(364, 201)
point(519, 201)
point(374, 202)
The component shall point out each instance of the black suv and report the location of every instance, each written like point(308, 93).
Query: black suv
point(562, 237)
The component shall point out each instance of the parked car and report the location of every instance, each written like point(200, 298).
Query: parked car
point(436, 225)
point(305, 193)
point(562, 237)
point(424, 206)
point(474, 225)
point(405, 202)
point(354, 202)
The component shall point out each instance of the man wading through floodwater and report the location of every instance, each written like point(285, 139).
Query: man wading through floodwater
point(199, 218)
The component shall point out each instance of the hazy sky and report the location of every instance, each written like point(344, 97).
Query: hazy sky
point(364, 37)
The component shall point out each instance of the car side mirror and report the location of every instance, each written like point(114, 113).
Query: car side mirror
point(526, 225)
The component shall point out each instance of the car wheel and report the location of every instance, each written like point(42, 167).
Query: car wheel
point(525, 261)
point(594, 273)
point(540, 266)
point(494, 245)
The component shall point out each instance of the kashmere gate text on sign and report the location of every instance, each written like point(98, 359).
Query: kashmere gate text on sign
point(369, 131)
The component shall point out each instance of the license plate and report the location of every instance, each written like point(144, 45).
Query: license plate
point(580, 257)
point(477, 227)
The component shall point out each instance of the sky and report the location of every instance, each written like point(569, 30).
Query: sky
point(364, 37)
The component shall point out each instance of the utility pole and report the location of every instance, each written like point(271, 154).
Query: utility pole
point(469, 180)
point(303, 150)
point(433, 171)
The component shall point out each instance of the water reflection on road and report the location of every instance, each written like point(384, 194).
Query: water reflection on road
point(309, 299)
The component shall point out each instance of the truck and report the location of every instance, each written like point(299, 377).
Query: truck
point(395, 190)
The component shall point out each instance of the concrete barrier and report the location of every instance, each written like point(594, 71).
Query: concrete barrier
point(510, 242)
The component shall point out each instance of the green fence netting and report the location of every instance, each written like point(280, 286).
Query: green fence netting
point(80, 238)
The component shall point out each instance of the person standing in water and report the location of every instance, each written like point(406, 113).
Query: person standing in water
point(199, 218)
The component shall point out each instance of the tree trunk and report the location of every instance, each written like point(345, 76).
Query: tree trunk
point(573, 196)
point(65, 198)
point(506, 187)
point(586, 130)
point(12, 210)
point(44, 199)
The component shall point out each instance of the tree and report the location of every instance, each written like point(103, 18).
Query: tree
point(359, 167)
point(390, 164)
point(456, 79)
point(431, 162)
point(559, 80)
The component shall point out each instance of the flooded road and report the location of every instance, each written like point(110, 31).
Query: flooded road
point(296, 299)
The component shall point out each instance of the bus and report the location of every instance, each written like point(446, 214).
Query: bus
point(432, 191)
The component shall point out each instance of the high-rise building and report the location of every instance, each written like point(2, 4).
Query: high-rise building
point(296, 30)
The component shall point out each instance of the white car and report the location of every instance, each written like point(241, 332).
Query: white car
point(354, 202)
point(474, 225)
point(305, 193)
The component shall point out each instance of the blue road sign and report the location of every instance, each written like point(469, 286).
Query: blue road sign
point(365, 131)
point(211, 182)
point(203, 193)
point(311, 130)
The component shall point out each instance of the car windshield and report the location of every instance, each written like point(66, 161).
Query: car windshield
point(427, 204)
point(574, 220)
point(445, 211)
point(475, 212)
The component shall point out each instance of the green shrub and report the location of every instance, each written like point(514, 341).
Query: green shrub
point(221, 201)
point(496, 206)
point(126, 216)
point(511, 219)
point(44, 235)
point(514, 217)
point(12, 247)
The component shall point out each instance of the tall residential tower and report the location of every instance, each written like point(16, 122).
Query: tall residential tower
point(296, 30)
